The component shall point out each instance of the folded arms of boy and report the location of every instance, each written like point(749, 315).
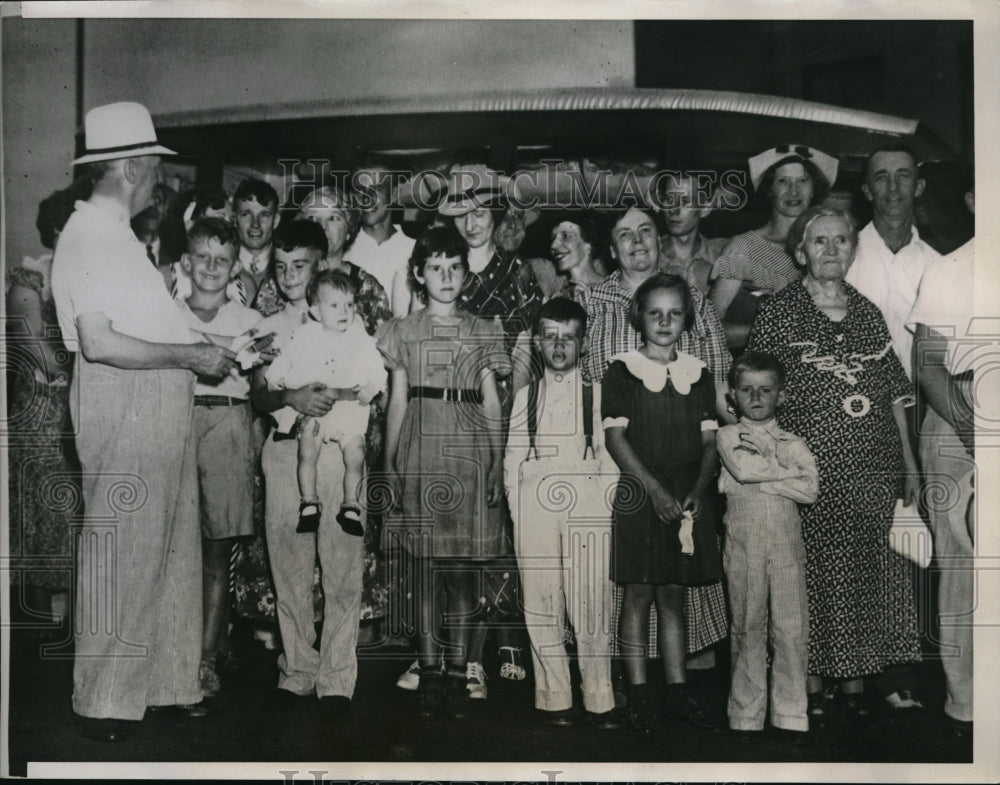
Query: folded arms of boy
point(782, 467)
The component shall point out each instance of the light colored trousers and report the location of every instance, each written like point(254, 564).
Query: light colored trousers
point(949, 468)
point(332, 670)
point(563, 553)
point(764, 561)
point(138, 602)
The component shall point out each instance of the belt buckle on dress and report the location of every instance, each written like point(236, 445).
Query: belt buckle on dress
point(454, 395)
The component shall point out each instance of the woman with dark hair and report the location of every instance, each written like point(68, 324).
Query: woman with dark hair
point(40, 435)
point(846, 397)
point(578, 239)
point(789, 178)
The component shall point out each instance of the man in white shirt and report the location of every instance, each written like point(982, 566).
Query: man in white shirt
point(138, 628)
point(381, 249)
point(891, 257)
point(943, 363)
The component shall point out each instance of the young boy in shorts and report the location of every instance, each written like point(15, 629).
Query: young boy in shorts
point(766, 473)
point(222, 427)
point(563, 553)
point(335, 350)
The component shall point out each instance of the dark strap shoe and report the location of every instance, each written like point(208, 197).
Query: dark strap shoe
point(101, 729)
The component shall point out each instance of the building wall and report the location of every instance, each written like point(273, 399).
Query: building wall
point(39, 107)
point(914, 69)
point(189, 64)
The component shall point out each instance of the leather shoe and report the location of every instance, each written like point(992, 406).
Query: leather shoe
point(562, 718)
point(799, 738)
point(98, 729)
point(283, 700)
point(959, 728)
point(185, 711)
point(745, 736)
point(604, 720)
point(334, 705)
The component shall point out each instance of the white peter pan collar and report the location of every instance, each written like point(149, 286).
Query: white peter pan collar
point(682, 372)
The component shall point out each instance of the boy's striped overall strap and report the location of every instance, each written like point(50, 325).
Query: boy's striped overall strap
point(588, 419)
point(532, 417)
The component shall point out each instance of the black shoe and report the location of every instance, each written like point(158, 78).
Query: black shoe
point(184, 711)
point(456, 696)
point(854, 710)
point(745, 736)
point(604, 720)
point(959, 729)
point(818, 711)
point(334, 705)
point(642, 715)
point(107, 730)
point(349, 519)
point(309, 521)
point(563, 718)
point(799, 738)
point(431, 692)
point(283, 700)
point(681, 706)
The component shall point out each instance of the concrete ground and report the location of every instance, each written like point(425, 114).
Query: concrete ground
point(383, 726)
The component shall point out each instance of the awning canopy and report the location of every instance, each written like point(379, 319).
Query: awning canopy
point(698, 127)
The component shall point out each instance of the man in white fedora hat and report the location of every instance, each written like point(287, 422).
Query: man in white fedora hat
point(138, 603)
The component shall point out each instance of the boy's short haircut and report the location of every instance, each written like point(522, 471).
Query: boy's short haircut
point(300, 233)
point(258, 190)
point(335, 279)
point(212, 229)
point(562, 310)
point(756, 361)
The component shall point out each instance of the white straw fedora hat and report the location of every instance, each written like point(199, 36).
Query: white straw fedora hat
point(760, 163)
point(120, 130)
point(469, 188)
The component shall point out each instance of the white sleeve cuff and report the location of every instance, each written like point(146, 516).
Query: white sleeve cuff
point(709, 425)
point(907, 400)
point(615, 422)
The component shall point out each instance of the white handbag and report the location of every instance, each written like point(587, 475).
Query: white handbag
point(909, 535)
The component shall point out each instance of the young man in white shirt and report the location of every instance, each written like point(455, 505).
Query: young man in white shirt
point(381, 249)
point(891, 258)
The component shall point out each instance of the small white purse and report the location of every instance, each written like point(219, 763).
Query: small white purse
point(909, 535)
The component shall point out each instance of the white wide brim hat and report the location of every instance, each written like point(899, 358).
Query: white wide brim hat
point(759, 164)
point(471, 187)
point(121, 130)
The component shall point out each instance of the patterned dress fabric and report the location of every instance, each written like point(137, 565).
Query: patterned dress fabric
point(843, 378)
point(44, 492)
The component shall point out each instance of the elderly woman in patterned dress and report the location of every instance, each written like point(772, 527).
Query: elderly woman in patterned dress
point(846, 397)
